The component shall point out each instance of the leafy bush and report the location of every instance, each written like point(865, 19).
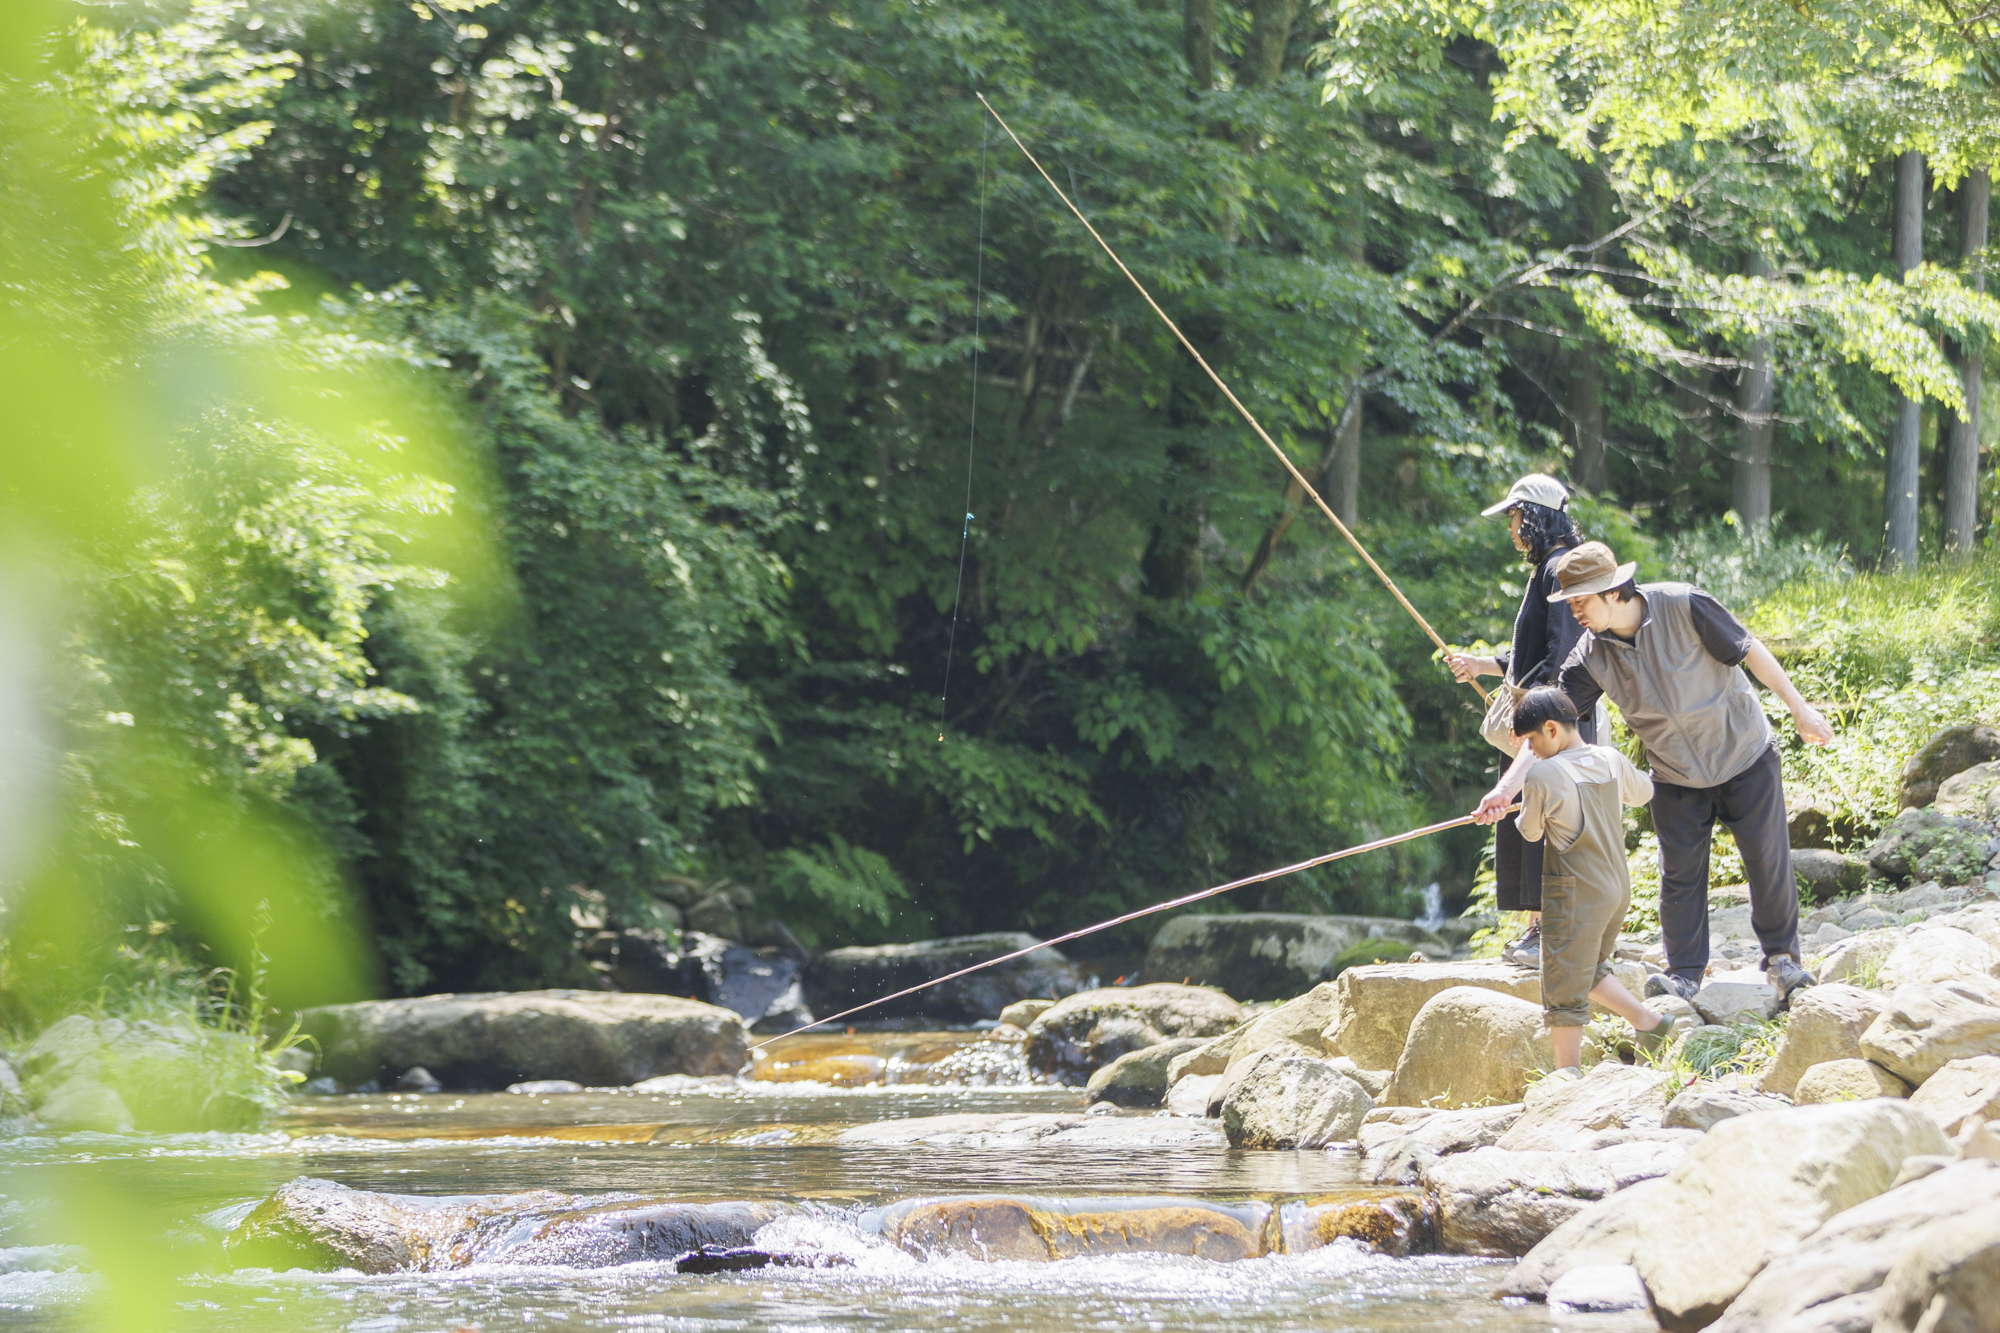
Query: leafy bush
point(1741, 565)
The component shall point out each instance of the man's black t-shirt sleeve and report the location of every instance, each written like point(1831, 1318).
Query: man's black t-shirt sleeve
point(1721, 633)
point(1576, 681)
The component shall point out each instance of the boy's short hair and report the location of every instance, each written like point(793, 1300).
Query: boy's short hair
point(1544, 703)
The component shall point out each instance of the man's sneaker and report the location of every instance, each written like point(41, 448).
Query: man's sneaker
point(1527, 950)
point(1666, 983)
point(1785, 973)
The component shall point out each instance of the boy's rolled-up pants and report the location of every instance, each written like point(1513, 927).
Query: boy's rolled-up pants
point(1752, 806)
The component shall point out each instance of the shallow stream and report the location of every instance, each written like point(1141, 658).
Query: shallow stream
point(708, 1140)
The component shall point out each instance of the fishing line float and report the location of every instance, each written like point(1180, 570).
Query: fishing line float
point(1234, 401)
point(1257, 878)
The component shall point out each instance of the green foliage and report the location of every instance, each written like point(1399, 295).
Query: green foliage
point(836, 882)
point(1364, 952)
point(1741, 564)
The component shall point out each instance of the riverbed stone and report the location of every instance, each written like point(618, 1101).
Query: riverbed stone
point(843, 978)
point(1021, 1013)
point(1947, 1280)
point(1971, 794)
point(1401, 1157)
point(1599, 1288)
point(1296, 1027)
point(1138, 1078)
point(1706, 1105)
point(1398, 1223)
point(1937, 953)
point(1925, 844)
point(1469, 1046)
point(1925, 1027)
point(1961, 1089)
point(1603, 1234)
point(1561, 1113)
point(1015, 1130)
point(1294, 1101)
point(80, 1102)
point(1191, 1095)
point(1949, 751)
point(1494, 1202)
point(1084, 1032)
point(1375, 1006)
point(1266, 955)
point(1847, 1081)
point(492, 1040)
point(1728, 1003)
point(1045, 1230)
point(1757, 1185)
point(1826, 1023)
point(1833, 1279)
point(1211, 1057)
point(1828, 874)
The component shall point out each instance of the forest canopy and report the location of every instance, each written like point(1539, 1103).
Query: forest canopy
point(494, 463)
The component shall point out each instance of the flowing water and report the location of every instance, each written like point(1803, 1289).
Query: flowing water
point(761, 1139)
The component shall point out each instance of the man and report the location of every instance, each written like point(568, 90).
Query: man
point(1673, 659)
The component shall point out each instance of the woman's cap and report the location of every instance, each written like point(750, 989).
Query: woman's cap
point(1535, 488)
point(1590, 568)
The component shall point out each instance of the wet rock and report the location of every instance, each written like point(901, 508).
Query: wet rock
point(1045, 1230)
point(1757, 1185)
point(1467, 1046)
point(1972, 794)
point(743, 1259)
point(760, 984)
point(1294, 1101)
point(1266, 955)
point(544, 1087)
point(1494, 1202)
point(1601, 1235)
point(1375, 1006)
point(1833, 1279)
point(1599, 1287)
point(1025, 1130)
point(1138, 1078)
point(1084, 1032)
point(1402, 1157)
point(1828, 874)
point(1022, 1013)
point(1847, 1081)
point(1929, 845)
point(1950, 751)
point(492, 1040)
point(1398, 1224)
point(1826, 1023)
point(80, 1102)
point(1728, 1003)
point(1560, 1114)
point(1706, 1105)
point(1925, 1027)
point(847, 977)
point(1938, 953)
point(1961, 1089)
point(417, 1079)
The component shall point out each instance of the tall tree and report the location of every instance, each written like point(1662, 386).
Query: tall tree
point(1961, 467)
point(1588, 454)
point(1899, 482)
point(1750, 489)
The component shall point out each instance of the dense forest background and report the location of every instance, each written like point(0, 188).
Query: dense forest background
point(593, 448)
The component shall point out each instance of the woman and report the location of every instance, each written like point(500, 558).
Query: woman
point(1544, 632)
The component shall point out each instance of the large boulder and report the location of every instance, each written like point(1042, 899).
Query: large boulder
point(1847, 1081)
point(1293, 1101)
point(491, 1041)
point(1404, 1151)
point(1857, 960)
point(1266, 955)
point(1603, 1235)
point(1973, 794)
point(844, 978)
point(1757, 1185)
point(1961, 1089)
point(1929, 845)
point(1468, 1046)
point(1828, 874)
point(1826, 1024)
point(1494, 1202)
point(1562, 1113)
point(758, 983)
point(1084, 1032)
point(1138, 1078)
point(1925, 1027)
point(1947, 1279)
point(1728, 1003)
point(1950, 751)
point(1940, 953)
point(1373, 1007)
point(1297, 1027)
point(1833, 1280)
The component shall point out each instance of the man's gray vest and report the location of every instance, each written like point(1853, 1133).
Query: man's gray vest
point(1700, 720)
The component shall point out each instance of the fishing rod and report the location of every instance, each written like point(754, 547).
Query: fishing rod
point(1257, 878)
point(1234, 401)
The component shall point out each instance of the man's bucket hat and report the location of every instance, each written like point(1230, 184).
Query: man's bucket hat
point(1590, 568)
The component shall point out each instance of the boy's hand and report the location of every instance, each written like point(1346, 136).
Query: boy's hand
point(1813, 728)
point(1492, 807)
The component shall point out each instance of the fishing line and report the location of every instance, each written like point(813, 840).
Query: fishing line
point(972, 427)
point(1167, 906)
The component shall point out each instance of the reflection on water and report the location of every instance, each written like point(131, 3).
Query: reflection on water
point(670, 1142)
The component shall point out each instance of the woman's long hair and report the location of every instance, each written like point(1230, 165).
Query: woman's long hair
point(1546, 530)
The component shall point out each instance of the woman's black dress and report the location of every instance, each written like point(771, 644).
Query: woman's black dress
point(1544, 633)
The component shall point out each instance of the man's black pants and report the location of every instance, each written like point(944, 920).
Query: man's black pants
point(1752, 806)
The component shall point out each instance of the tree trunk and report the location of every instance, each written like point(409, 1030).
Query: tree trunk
point(1342, 478)
point(1694, 422)
point(1899, 489)
point(1750, 491)
point(1198, 40)
point(1961, 466)
point(1270, 29)
point(1172, 566)
point(1586, 382)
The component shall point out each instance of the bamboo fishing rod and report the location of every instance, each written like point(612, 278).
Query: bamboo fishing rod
point(1234, 401)
point(1168, 906)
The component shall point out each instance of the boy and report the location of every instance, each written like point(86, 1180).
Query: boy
point(1679, 665)
point(1570, 803)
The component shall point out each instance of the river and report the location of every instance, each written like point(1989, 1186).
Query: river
point(747, 1139)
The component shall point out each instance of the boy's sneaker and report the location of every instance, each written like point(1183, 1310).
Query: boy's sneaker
point(1666, 983)
point(1785, 973)
point(1527, 950)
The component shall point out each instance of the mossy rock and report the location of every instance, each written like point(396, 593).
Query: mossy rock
point(1367, 953)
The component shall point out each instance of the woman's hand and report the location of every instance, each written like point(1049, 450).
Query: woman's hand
point(1464, 666)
